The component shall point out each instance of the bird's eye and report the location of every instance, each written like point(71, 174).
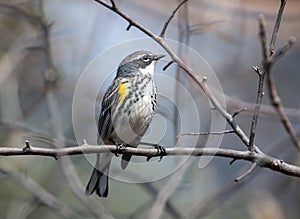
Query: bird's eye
point(146, 59)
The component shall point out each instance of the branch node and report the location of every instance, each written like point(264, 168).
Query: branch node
point(276, 164)
point(204, 79)
point(113, 4)
point(257, 70)
point(129, 26)
point(232, 161)
point(291, 40)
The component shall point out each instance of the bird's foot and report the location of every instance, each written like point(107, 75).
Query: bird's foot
point(160, 151)
point(119, 149)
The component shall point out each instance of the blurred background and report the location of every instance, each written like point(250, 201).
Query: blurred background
point(50, 48)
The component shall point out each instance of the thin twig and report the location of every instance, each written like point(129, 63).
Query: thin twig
point(276, 26)
point(261, 76)
point(168, 65)
point(266, 111)
point(163, 31)
point(280, 52)
point(276, 101)
point(247, 173)
point(239, 111)
point(207, 133)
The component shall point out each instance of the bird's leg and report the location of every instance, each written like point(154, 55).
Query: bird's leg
point(160, 151)
point(119, 147)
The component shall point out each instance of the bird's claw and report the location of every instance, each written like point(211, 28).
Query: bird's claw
point(119, 148)
point(160, 151)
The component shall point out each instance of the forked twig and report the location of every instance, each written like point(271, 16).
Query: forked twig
point(163, 31)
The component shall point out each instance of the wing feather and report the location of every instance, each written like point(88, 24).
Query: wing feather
point(104, 122)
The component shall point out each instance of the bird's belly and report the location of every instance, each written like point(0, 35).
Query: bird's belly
point(141, 114)
point(130, 126)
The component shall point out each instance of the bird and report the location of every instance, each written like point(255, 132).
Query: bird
point(127, 109)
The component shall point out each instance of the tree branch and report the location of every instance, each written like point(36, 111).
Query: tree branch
point(261, 159)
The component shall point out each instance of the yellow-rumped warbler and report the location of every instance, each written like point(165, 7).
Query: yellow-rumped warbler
point(127, 110)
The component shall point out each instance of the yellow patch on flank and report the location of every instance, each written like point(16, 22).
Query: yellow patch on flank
point(122, 91)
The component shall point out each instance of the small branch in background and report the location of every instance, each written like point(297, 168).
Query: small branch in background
point(274, 97)
point(50, 76)
point(153, 191)
point(208, 205)
point(261, 76)
point(169, 188)
point(263, 40)
point(206, 133)
point(163, 31)
point(280, 52)
point(40, 194)
point(276, 26)
point(276, 101)
point(266, 111)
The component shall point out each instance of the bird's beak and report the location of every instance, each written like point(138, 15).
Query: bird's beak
point(157, 57)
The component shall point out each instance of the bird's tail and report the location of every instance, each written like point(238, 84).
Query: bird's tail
point(99, 181)
point(125, 160)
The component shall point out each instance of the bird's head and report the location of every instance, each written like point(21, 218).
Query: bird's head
point(140, 61)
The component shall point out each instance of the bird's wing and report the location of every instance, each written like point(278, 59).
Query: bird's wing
point(110, 97)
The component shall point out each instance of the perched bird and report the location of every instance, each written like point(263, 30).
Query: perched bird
point(127, 110)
